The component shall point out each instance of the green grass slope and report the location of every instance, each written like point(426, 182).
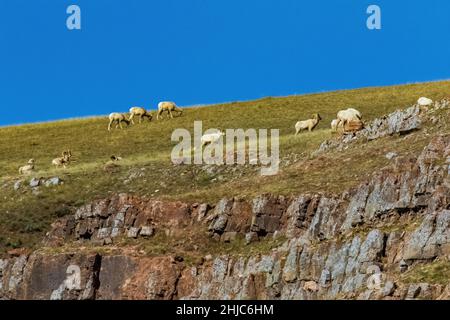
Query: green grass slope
point(147, 170)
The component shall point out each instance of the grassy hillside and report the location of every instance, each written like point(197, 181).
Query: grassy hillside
point(147, 169)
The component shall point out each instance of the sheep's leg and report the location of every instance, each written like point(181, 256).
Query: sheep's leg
point(170, 112)
point(158, 114)
point(131, 118)
point(109, 125)
point(120, 124)
point(140, 118)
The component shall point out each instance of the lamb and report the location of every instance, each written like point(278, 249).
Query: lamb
point(334, 125)
point(64, 160)
point(169, 107)
point(27, 169)
point(211, 137)
point(309, 124)
point(139, 112)
point(344, 116)
point(118, 118)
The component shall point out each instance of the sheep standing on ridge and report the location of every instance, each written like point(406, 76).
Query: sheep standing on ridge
point(345, 116)
point(169, 107)
point(64, 160)
point(27, 169)
point(309, 124)
point(139, 112)
point(117, 118)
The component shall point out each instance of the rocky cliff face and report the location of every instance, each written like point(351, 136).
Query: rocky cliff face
point(361, 244)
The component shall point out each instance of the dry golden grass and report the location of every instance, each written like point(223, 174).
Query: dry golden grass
point(146, 148)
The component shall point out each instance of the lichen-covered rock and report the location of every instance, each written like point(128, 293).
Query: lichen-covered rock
point(431, 239)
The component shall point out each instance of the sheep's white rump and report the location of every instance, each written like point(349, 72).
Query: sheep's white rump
point(424, 102)
point(345, 116)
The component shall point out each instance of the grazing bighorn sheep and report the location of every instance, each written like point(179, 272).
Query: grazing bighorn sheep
point(27, 169)
point(64, 160)
point(350, 114)
point(169, 107)
point(139, 112)
point(309, 124)
point(118, 118)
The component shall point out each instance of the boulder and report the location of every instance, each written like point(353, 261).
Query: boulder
point(53, 182)
point(35, 182)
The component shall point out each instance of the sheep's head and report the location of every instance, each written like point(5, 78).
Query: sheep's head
point(31, 161)
point(317, 116)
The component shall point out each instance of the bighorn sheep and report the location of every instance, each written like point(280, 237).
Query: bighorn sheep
point(334, 125)
point(64, 160)
point(27, 169)
point(424, 102)
point(139, 112)
point(118, 118)
point(169, 107)
point(211, 137)
point(309, 124)
point(115, 158)
point(344, 116)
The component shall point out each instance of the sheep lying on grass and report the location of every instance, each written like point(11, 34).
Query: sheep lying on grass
point(345, 116)
point(117, 118)
point(27, 169)
point(140, 113)
point(309, 124)
point(169, 107)
point(64, 160)
point(115, 158)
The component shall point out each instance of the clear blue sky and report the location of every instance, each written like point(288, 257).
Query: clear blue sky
point(138, 52)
